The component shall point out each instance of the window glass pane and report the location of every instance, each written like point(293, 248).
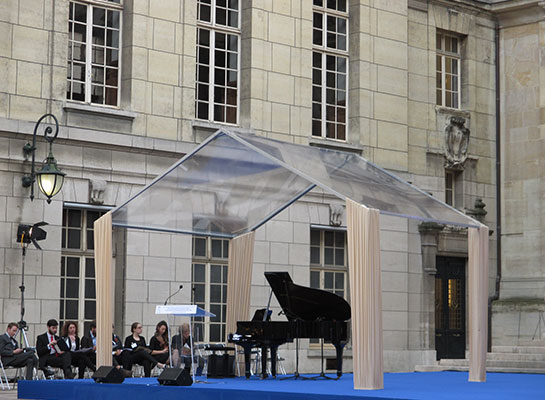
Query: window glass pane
point(90, 291)
point(339, 257)
point(328, 280)
point(215, 293)
point(199, 293)
point(328, 256)
point(99, 16)
point(339, 239)
point(339, 280)
point(199, 247)
point(74, 218)
point(225, 251)
point(215, 273)
point(72, 267)
point(199, 273)
point(315, 255)
point(80, 12)
point(216, 248)
point(215, 333)
point(329, 238)
point(215, 309)
point(113, 19)
point(89, 267)
point(72, 288)
point(90, 309)
point(71, 309)
point(315, 279)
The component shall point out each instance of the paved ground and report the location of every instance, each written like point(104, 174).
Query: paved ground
point(8, 394)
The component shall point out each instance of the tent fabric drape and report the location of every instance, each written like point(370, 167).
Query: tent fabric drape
point(239, 280)
point(365, 295)
point(103, 282)
point(478, 302)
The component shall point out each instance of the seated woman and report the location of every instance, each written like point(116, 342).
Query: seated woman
point(140, 354)
point(79, 359)
point(159, 343)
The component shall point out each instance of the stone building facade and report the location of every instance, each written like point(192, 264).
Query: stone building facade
point(136, 84)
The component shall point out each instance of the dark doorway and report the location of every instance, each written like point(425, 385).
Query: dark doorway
point(450, 308)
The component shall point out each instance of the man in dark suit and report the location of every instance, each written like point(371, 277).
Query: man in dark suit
point(53, 351)
point(14, 356)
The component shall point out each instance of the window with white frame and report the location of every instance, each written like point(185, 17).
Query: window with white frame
point(328, 262)
point(94, 37)
point(77, 295)
point(454, 188)
point(209, 283)
point(448, 66)
point(218, 42)
point(330, 69)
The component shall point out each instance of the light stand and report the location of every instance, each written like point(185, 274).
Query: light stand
point(22, 323)
point(27, 234)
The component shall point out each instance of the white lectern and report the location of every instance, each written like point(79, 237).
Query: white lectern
point(182, 310)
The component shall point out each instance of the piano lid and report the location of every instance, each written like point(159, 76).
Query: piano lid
point(304, 303)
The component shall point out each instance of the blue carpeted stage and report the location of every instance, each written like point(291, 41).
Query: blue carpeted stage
point(425, 385)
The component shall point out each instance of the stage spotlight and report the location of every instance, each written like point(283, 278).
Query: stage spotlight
point(31, 233)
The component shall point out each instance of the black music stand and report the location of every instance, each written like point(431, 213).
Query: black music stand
point(322, 373)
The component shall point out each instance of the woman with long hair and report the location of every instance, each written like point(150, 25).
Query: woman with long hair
point(79, 359)
point(159, 343)
point(140, 354)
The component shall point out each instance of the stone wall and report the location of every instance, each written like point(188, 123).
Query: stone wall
point(393, 121)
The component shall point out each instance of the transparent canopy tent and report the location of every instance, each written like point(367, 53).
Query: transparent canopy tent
point(233, 183)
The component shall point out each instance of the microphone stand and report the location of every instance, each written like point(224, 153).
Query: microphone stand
point(168, 327)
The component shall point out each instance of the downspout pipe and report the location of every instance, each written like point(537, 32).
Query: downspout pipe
point(496, 294)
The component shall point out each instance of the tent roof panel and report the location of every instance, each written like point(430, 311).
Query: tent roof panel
point(233, 183)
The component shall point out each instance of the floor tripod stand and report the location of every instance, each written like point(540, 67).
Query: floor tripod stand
point(322, 373)
point(22, 325)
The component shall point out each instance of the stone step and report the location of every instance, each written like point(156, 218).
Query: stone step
point(522, 364)
point(435, 368)
point(532, 343)
point(519, 349)
point(517, 356)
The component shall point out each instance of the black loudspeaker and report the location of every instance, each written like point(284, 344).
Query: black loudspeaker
point(106, 374)
point(175, 377)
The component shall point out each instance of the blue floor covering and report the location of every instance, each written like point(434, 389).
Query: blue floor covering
point(425, 385)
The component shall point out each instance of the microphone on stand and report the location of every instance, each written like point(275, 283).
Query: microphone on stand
point(168, 298)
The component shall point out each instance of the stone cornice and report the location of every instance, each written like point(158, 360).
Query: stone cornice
point(467, 6)
point(519, 12)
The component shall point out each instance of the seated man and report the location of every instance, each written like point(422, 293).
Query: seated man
point(181, 350)
point(13, 356)
point(53, 351)
point(118, 355)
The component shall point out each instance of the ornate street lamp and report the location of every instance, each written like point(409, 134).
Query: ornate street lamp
point(49, 177)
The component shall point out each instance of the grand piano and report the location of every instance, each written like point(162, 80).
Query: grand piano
point(311, 313)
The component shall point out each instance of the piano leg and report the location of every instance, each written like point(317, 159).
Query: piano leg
point(339, 347)
point(274, 349)
point(264, 362)
point(247, 356)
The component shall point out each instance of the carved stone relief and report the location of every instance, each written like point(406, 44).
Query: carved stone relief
point(97, 188)
point(456, 143)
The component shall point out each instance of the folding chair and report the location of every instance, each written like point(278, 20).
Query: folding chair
point(4, 382)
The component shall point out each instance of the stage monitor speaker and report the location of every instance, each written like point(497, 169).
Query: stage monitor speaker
point(175, 377)
point(107, 374)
